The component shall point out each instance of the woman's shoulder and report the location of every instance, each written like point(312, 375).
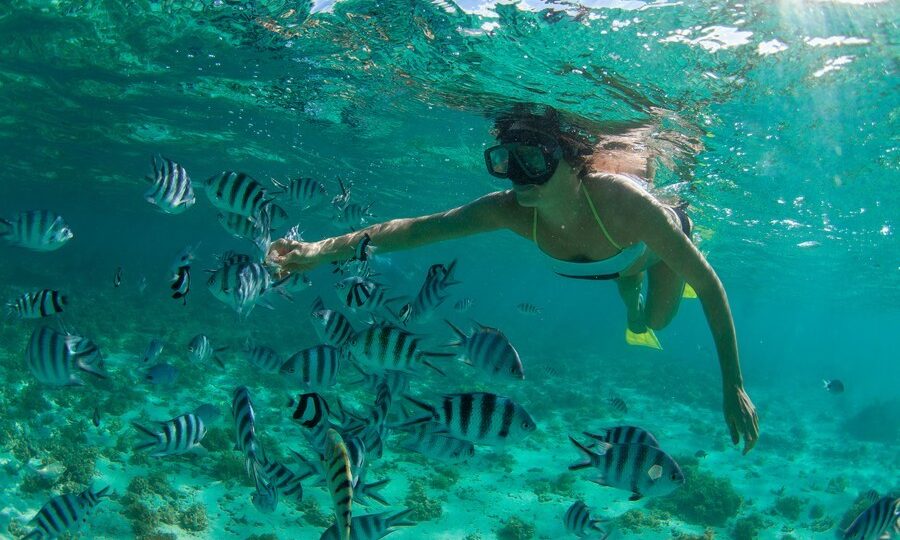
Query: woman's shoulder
point(617, 186)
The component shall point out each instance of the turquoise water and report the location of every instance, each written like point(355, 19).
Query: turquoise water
point(777, 121)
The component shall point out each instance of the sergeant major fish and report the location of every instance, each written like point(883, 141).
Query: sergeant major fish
point(625, 435)
point(179, 435)
point(479, 417)
point(201, 350)
point(65, 513)
point(38, 230)
point(238, 193)
point(579, 522)
point(170, 189)
point(39, 304)
point(372, 526)
point(489, 351)
point(313, 368)
point(245, 428)
point(305, 192)
point(52, 357)
point(387, 347)
point(880, 520)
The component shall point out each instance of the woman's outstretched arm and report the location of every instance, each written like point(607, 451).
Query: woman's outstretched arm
point(487, 213)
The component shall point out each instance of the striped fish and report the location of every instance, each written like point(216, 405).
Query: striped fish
point(38, 230)
point(285, 480)
point(387, 347)
point(641, 469)
point(238, 193)
point(625, 435)
point(368, 296)
point(65, 513)
point(265, 358)
point(528, 309)
point(202, 351)
point(179, 435)
point(438, 445)
point(363, 491)
point(232, 257)
point(372, 526)
point(181, 284)
point(431, 295)
point(152, 352)
point(359, 262)
point(296, 283)
point(314, 368)
point(396, 381)
point(265, 496)
point(240, 226)
point(245, 428)
point(36, 305)
point(579, 522)
point(275, 216)
point(479, 417)
point(305, 192)
point(383, 400)
point(53, 357)
point(489, 351)
point(463, 305)
point(356, 452)
point(311, 411)
point(354, 215)
point(170, 188)
point(332, 327)
point(880, 520)
point(241, 286)
point(618, 404)
point(336, 462)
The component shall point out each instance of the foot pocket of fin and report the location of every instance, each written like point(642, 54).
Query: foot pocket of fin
point(644, 339)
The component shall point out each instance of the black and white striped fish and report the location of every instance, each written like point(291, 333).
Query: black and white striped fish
point(311, 411)
point(641, 469)
point(238, 193)
point(265, 495)
point(181, 284)
point(257, 231)
point(152, 352)
point(363, 490)
point(245, 428)
point(464, 305)
point(424, 440)
point(359, 262)
point(489, 351)
point(618, 404)
point(202, 351)
point(396, 381)
point(286, 481)
point(372, 526)
point(625, 435)
point(336, 462)
point(65, 513)
point(388, 347)
point(36, 305)
point(431, 295)
point(179, 435)
point(579, 522)
point(356, 452)
point(313, 368)
point(241, 286)
point(53, 357)
point(232, 257)
point(332, 327)
point(367, 296)
point(528, 309)
point(38, 230)
point(479, 417)
point(170, 188)
point(265, 358)
point(383, 400)
point(880, 520)
point(305, 192)
point(355, 215)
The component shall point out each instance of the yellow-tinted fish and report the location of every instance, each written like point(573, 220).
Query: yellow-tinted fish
point(336, 462)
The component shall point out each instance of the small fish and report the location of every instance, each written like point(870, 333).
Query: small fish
point(142, 284)
point(528, 309)
point(463, 305)
point(152, 352)
point(238, 193)
point(438, 445)
point(479, 417)
point(579, 522)
point(489, 351)
point(52, 357)
point(162, 374)
point(170, 189)
point(241, 286)
point(232, 257)
point(313, 368)
point(265, 497)
point(117, 279)
point(258, 231)
point(359, 261)
point(332, 327)
point(201, 351)
point(36, 305)
point(625, 435)
point(431, 295)
point(179, 435)
point(95, 418)
point(265, 358)
point(387, 347)
point(38, 230)
point(245, 428)
point(880, 520)
point(641, 469)
point(700, 454)
point(305, 192)
point(355, 215)
point(285, 480)
point(835, 386)
point(181, 284)
point(336, 462)
point(311, 411)
point(65, 513)
point(618, 404)
point(372, 526)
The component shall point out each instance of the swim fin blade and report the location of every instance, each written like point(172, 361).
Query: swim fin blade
point(688, 292)
point(645, 339)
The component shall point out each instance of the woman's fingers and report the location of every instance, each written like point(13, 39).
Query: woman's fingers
point(732, 427)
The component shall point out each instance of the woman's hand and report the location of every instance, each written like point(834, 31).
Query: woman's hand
point(740, 415)
point(289, 256)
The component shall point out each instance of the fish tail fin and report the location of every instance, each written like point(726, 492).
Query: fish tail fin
point(398, 519)
point(588, 456)
point(825, 383)
point(371, 491)
point(152, 438)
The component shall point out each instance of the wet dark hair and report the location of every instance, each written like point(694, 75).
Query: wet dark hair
point(577, 146)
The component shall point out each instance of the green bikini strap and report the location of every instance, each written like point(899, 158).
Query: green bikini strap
point(596, 217)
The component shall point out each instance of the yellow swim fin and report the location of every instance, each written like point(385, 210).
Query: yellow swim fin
point(688, 292)
point(644, 339)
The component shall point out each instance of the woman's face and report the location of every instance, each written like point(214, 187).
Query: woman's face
point(532, 195)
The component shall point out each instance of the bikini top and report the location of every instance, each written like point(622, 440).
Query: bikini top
point(608, 268)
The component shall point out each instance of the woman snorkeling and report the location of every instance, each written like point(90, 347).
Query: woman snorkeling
point(582, 206)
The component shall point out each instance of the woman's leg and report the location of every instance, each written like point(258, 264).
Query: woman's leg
point(664, 290)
